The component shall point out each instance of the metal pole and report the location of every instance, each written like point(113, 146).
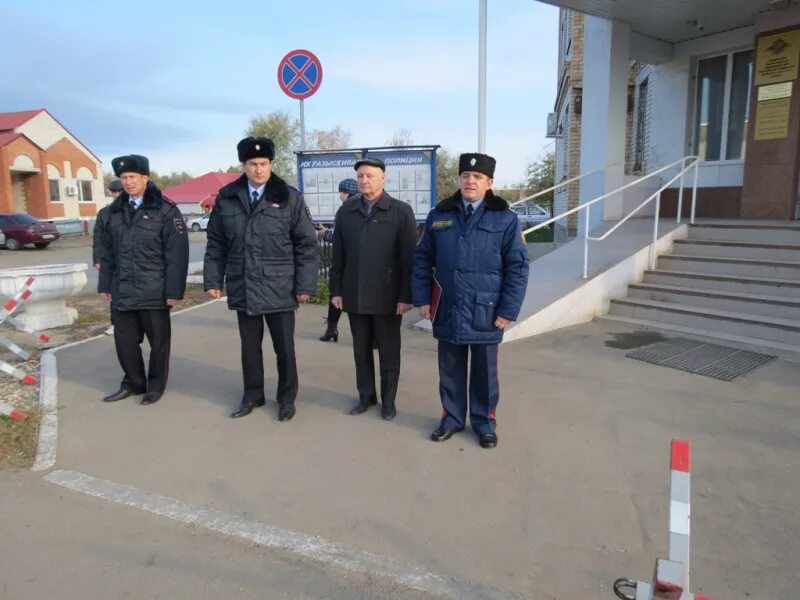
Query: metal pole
point(586, 243)
point(655, 234)
point(680, 193)
point(302, 127)
point(694, 189)
point(482, 77)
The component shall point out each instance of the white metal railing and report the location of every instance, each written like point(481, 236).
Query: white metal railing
point(686, 163)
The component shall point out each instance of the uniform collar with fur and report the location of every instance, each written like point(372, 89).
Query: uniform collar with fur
point(456, 202)
point(277, 190)
point(152, 197)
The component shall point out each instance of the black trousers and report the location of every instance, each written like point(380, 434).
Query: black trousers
point(251, 333)
point(333, 316)
point(130, 329)
point(383, 331)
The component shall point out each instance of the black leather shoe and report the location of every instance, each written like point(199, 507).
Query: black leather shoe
point(151, 398)
point(361, 407)
point(285, 413)
point(121, 394)
point(330, 334)
point(245, 409)
point(442, 434)
point(488, 440)
point(388, 412)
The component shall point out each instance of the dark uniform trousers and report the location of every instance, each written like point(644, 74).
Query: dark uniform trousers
point(130, 329)
point(251, 333)
point(484, 387)
point(383, 331)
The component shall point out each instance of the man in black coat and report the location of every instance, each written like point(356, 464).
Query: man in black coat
point(373, 247)
point(115, 187)
point(263, 246)
point(144, 257)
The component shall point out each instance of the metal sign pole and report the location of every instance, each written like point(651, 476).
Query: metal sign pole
point(302, 127)
point(482, 78)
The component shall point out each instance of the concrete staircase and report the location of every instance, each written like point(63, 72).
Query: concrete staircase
point(737, 282)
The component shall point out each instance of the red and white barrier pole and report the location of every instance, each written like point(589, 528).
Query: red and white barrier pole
point(12, 412)
point(670, 577)
point(14, 372)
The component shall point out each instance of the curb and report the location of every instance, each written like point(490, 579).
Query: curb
point(47, 444)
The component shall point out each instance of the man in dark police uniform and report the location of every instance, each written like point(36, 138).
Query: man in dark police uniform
point(472, 245)
point(263, 246)
point(143, 252)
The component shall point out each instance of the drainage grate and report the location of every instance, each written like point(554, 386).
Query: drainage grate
point(701, 358)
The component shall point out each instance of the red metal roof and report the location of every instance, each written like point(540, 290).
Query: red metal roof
point(200, 188)
point(12, 120)
point(6, 137)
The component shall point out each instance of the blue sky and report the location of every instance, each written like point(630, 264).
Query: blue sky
point(179, 82)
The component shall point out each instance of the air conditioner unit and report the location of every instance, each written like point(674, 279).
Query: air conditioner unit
point(552, 125)
point(70, 190)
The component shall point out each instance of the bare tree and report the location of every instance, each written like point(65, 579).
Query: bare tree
point(401, 137)
point(329, 139)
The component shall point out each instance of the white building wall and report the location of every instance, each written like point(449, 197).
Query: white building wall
point(673, 91)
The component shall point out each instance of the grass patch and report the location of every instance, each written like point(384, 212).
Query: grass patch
point(540, 235)
point(322, 295)
point(18, 440)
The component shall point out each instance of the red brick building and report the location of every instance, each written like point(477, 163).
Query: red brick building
point(45, 171)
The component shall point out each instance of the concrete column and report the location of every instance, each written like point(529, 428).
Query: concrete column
point(606, 64)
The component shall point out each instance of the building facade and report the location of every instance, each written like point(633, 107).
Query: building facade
point(642, 85)
point(45, 171)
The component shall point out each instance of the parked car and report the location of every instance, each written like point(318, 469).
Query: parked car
point(198, 223)
point(531, 214)
point(21, 229)
point(2, 239)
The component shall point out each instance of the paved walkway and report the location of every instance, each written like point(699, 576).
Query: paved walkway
point(574, 496)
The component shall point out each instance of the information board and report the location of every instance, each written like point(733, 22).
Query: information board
point(410, 177)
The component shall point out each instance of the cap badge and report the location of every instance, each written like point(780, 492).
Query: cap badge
point(258, 147)
point(472, 162)
point(122, 163)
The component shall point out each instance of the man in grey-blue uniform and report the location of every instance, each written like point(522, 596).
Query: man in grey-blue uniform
point(472, 245)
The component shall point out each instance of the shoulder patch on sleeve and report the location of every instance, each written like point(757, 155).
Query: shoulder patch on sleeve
point(180, 225)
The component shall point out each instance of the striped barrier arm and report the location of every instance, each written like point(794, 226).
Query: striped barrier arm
point(12, 412)
point(12, 303)
point(14, 348)
point(14, 372)
point(27, 329)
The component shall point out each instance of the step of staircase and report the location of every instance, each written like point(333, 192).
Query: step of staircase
point(786, 351)
point(757, 327)
point(731, 266)
point(737, 302)
point(738, 249)
point(783, 233)
point(727, 283)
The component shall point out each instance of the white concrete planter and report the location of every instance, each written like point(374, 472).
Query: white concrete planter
point(45, 308)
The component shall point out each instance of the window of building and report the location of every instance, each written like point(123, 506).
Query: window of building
point(55, 191)
point(723, 105)
point(85, 191)
point(641, 128)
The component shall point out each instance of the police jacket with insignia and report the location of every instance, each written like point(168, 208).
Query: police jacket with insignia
point(481, 263)
point(144, 254)
point(372, 256)
point(265, 254)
